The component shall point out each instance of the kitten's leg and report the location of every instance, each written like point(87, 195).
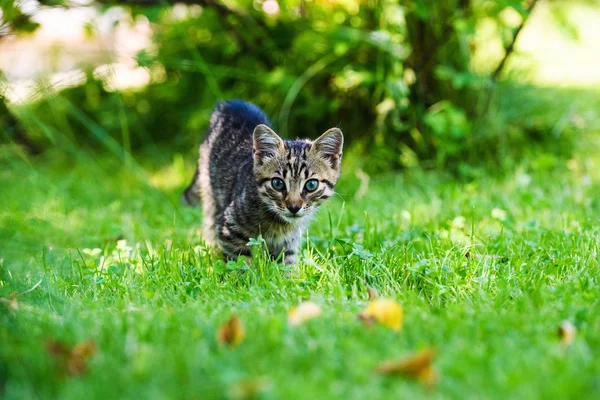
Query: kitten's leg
point(289, 248)
point(291, 251)
point(205, 191)
point(233, 242)
point(290, 257)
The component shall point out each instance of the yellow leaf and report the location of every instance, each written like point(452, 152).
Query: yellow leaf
point(566, 332)
point(252, 388)
point(232, 332)
point(303, 312)
point(418, 366)
point(383, 311)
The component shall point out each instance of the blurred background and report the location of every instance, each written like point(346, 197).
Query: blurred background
point(458, 85)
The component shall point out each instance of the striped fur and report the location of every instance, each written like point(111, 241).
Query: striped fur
point(239, 160)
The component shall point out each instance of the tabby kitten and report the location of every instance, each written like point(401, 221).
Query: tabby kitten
point(251, 182)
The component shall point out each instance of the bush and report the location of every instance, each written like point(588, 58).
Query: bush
point(396, 76)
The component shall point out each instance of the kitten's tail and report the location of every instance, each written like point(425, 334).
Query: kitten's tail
point(191, 196)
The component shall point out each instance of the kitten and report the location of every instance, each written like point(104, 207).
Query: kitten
point(251, 182)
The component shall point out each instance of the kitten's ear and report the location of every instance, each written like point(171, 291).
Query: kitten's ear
point(329, 146)
point(266, 142)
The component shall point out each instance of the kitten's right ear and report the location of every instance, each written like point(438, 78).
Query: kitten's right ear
point(266, 143)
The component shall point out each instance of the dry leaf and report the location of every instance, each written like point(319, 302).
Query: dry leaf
point(383, 311)
point(232, 332)
point(73, 361)
point(418, 366)
point(566, 332)
point(303, 312)
point(372, 293)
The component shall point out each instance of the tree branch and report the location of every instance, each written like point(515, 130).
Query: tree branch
point(220, 7)
point(511, 45)
point(489, 94)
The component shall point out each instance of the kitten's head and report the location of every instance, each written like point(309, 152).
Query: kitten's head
point(295, 177)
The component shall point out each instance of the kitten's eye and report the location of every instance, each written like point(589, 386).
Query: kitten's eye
point(278, 184)
point(311, 185)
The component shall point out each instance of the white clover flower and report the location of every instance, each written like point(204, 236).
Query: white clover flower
point(499, 214)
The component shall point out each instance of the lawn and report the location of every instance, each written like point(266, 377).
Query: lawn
point(485, 270)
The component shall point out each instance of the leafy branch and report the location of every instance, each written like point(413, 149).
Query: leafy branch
point(511, 45)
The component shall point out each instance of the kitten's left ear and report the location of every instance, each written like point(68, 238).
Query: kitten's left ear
point(329, 146)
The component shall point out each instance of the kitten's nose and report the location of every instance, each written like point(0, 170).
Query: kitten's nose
point(294, 208)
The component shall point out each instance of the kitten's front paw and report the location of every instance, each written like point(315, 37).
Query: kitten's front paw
point(289, 258)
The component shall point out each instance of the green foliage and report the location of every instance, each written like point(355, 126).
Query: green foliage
point(397, 76)
point(13, 19)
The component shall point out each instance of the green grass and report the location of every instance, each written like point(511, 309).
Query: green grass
point(120, 262)
point(153, 304)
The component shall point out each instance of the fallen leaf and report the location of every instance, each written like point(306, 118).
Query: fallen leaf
point(72, 360)
point(232, 332)
point(249, 388)
point(303, 312)
point(383, 311)
point(372, 293)
point(567, 333)
point(418, 366)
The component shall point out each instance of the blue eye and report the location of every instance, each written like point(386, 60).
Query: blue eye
point(311, 185)
point(278, 184)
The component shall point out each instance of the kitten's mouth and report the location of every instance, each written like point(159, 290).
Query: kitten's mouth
point(289, 217)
